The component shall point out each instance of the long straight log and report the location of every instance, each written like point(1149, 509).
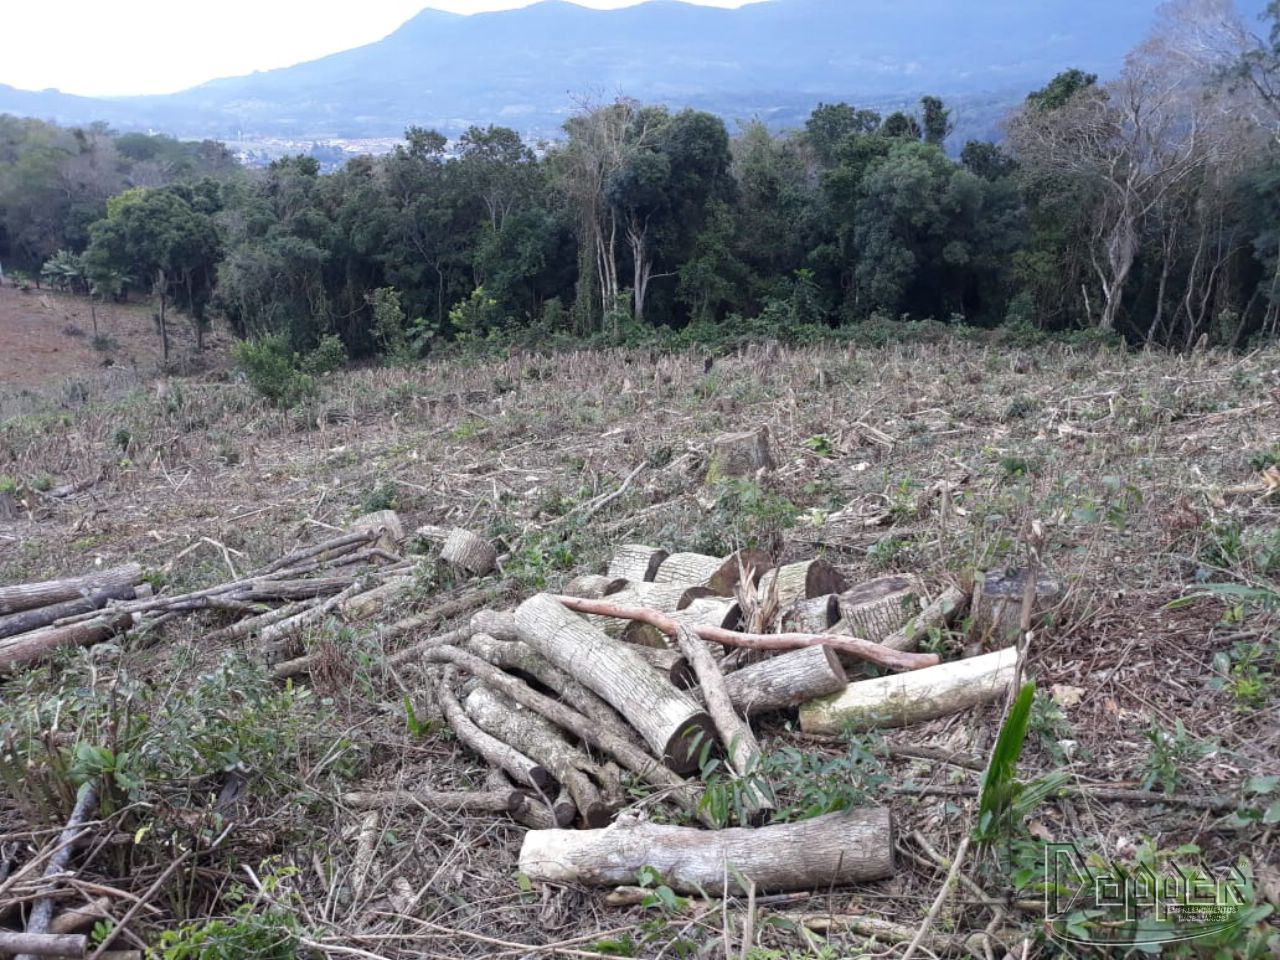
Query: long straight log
point(541, 740)
point(27, 647)
point(741, 746)
point(671, 722)
point(906, 698)
point(329, 549)
point(470, 801)
point(785, 681)
point(16, 623)
point(852, 846)
point(42, 944)
point(499, 624)
point(28, 596)
point(863, 649)
point(502, 755)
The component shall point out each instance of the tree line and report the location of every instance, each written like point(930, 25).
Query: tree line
point(1146, 207)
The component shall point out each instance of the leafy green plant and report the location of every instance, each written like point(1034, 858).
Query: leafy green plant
point(1168, 753)
point(808, 785)
point(328, 356)
point(1005, 802)
point(272, 370)
point(745, 514)
point(382, 496)
point(821, 445)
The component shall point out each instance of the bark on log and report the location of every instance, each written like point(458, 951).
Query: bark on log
point(818, 615)
point(518, 656)
point(42, 944)
point(466, 551)
point(720, 576)
point(77, 918)
point(593, 586)
point(950, 604)
point(502, 755)
point(997, 605)
point(371, 601)
point(741, 746)
point(670, 721)
point(907, 698)
point(27, 647)
point(712, 612)
point(668, 624)
point(16, 623)
point(852, 846)
point(671, 664)
point(802, 581)
point(42, 913)
point(876, 609)
point(740, 455)
point(785, 681)
point(501, 625)
point(324, 551)
point(461, 801)
point(28, 596)
point(385, 525)
point(533, 810)
point(636, 562)
point(538, 738)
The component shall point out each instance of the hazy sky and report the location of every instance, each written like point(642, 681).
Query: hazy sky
point(97, 47)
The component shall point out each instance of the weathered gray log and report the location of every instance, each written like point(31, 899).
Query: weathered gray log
point(28, 647)
point(670, 663)
point(636, 562)
point(28, 596)
point(466, 551)
point(384, 524)
point(499, 624)
point(712, 612)
point(948, 605)
point(802, 581)
point(75, 919)
point(877, 608)
point(785, 681)
point(593, 586)
point(852, 846)
point(741, 746)
point(499, 754)
point(42, 944)
point(535, 811)
point(719, 575)
point(906, 698)
point(16, 623)
point(538, 738)
point(997, 605)
point(379, 598)
point(816, 615)
point(669, 720)
point(454, 801)
point(740, 455)
point(518, 656)
point(664, 597)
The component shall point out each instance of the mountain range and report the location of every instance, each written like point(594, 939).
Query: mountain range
point(529, 68)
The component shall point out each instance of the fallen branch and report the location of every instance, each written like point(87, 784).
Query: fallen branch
point(470, 801)
point(29, 596)
point(42, 912)
point(502, 755)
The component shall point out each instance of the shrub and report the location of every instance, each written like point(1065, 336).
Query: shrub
point(328, 356)
point(272, 370)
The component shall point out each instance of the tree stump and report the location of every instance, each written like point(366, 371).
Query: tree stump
point(740, 455)
point(466, 551)
point(720, 576)
point(997, 606)
point(818, 615)
point(875, 609)
point(636, 562)
point(802, 581)
point(387, 522)
point(669, 720)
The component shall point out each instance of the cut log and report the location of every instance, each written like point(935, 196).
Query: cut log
point(740, 744)
point(468, 801)
point(16, 623)
point(817, 615)
point(852, 846)
point(720, 576)
point(320, 552)
point(384, 524)
point(466, 551)
point(534, 810)
point(740, 455)
point(669, 720)
point(712, 612)
point(785, 681)
point(372, 601)
point(514, 655)
point(876, 609)
point(501, 625)
point(43, 944)
point(28, 647)
point(668, 624)
point(906, 698)
point(951, 603)
point(663, 597)
point(802, 581)
point(671, 664)
point(28, 596)
point(538, 738)
point(636, 562)
point(594, 586)
point(998, 600)
point(499, 754)
point(75, 919)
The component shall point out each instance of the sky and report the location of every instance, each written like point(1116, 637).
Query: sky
point(116, 47)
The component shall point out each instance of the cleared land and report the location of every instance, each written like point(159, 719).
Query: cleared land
point(931, 458)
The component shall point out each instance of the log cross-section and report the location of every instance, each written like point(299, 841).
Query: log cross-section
point(669, 720)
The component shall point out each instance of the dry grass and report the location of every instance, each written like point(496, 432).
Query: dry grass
point(1129, 461)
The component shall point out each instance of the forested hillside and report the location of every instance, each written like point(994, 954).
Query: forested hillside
point(1144, 206)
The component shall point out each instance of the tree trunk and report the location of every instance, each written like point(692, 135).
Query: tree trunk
point(997, 606)
point(28, 647)
point(907, 698)
point(475, 801)
point(17, 623)
point(594, 586)
point(720, 576)
point(499, 754)
point(499, 624)
point(161, 283)
point(782, 682)
point(818, 615)
point(663, 597)
point(875, 609)
point(740, 455)
point(28, 596)
point(670, 721)
point(637, 563)
point(950, 604)
point(853, 846)
point(802, 581)
point(468, 552)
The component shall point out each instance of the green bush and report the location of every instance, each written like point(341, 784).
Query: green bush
point(272, 369)
point(328, 356)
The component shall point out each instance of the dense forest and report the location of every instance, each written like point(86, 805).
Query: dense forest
point(1146, 207)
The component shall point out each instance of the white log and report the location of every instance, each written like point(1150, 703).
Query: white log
point(802, 581)
point(719, 575)
point(785, 681)
point(636, 562)
point(875, 609)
